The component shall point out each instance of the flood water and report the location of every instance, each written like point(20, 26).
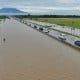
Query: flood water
point(28, 54)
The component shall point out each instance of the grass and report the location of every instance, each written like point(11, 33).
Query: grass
point(72, 22)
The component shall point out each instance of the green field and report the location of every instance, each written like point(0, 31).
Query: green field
point(72, 22)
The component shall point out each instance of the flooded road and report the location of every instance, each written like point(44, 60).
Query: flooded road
point(29, 55)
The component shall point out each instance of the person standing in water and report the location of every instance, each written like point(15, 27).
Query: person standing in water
point(4, 39)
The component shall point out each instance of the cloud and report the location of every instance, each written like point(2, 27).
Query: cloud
point(66, 1)
point(34, 8)
point(49, 10)
point(42, 6)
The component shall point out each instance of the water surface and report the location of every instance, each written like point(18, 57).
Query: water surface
point(30, 55)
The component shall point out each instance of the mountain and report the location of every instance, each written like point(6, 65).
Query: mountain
point(12, 11)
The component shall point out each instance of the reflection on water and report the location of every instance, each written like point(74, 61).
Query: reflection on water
point(29, 55)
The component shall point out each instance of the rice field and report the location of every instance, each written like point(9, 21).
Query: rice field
point(72, 22)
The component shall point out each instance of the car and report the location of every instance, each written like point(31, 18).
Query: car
point(41, 29)
point(35, 26)
point(77, 43)
point(29, 24)
point(46, 31)
point(62, 36)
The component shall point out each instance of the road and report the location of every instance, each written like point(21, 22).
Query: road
point(28, 54)
point(69, 38)
point(68, 29)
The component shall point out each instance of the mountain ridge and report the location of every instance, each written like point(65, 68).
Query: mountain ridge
point(12, 11)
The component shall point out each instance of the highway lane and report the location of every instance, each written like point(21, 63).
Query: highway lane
point(68, 29)
point(69, 38)
point(28, 54)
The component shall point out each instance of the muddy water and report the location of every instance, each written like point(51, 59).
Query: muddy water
point(29, 55)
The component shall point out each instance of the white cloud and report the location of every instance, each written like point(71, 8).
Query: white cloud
point(44, 9)
point(40, 9)
point(66, 1)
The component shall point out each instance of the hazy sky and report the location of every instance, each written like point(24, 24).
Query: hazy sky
point(44, 6)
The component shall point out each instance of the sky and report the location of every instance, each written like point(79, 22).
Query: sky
point(56, 7)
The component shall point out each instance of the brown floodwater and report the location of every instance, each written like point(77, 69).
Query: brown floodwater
point(28, 54)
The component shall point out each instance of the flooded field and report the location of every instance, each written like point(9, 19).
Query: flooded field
point(28, 54)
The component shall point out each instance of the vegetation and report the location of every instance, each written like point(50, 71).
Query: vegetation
point(72, 22)
point(47, 16)
point(3, 17)
point(64, 20)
